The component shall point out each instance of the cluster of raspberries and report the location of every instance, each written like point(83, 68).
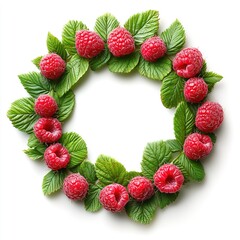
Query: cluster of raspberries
point(89, 44)
point(168, 178)
point(114, 197)
point(188, 64)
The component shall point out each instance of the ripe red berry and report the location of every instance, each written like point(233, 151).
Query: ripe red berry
point(197, 146)
point(120, 42)
point(52, 66)
point(168, 178)
point(45, 106)
point(195, 90)
point(56, 156)
point(88, 44)
point(75, 186)
point(188, 62)
point(114, 197)
point(48, 130)
point(153, 49)
point(209, 117)
point(140, 188)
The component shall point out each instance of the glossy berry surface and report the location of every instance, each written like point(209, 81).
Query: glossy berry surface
point(188, 62)
point(75, 186)
point(52, 66)
point(168, 178)
point(114, 197)
point(48, 130)
point(197, 146)
point(120, 42)
point(56, 156)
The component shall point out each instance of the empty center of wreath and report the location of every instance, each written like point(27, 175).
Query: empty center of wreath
point(117, 115)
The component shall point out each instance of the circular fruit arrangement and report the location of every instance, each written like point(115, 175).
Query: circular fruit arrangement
point(166, 165)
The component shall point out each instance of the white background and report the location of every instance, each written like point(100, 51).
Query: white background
point(117, 116)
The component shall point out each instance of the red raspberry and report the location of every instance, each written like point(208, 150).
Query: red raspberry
point(120, 42)
point(75, 186)
point(140, 188)
point(114, 197)
point(52, 66)
point(56, 156)
point(195, 90)
point(48, 130)
point(168, 178)
point(188, 62)
point(209, 117)
point(153, 49)
point(88, 44)
point(45, 106)
point(197, 146)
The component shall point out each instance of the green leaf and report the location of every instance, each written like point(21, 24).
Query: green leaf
point(36, 153)
point(155, 70)
point(204, 69)
point(105, 24)
point(100, 60)
point(142, 212)
point(68, 35)
point(36, 61)
point(155, 154)
point(75, 69)
point(143, 25)
point(123, 64)
point(174, 38)
point(55, 46)
point(109, 171)
point(36, 148)
point(213, 137)
point(133, 174)
point(164, 199)
point(91, 202)
point(65, 106)
point(87, 169)
point(53, 181)
point(194, 107)
point(22, 114)
point(76, 147)
point(172, 90)
point(174, 145)
point(35, 84)
point(33, 141)
point(192, 170)
point(211, 77)
point(183, 122)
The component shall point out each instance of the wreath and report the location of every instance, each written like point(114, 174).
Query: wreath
point(167, 165)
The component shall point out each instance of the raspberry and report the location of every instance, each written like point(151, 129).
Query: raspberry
point(197, 146)
point(188, 62)
point(120, 42)
point(75, 186)
point(45, 106)
point(140, 188)
point(56, 156)
point(195, 90)
point(88, 44)
point(114, 197)
point(48, 130)
point(52, 66)
point(168, 178)
point(153, 49)
point(209, 117)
